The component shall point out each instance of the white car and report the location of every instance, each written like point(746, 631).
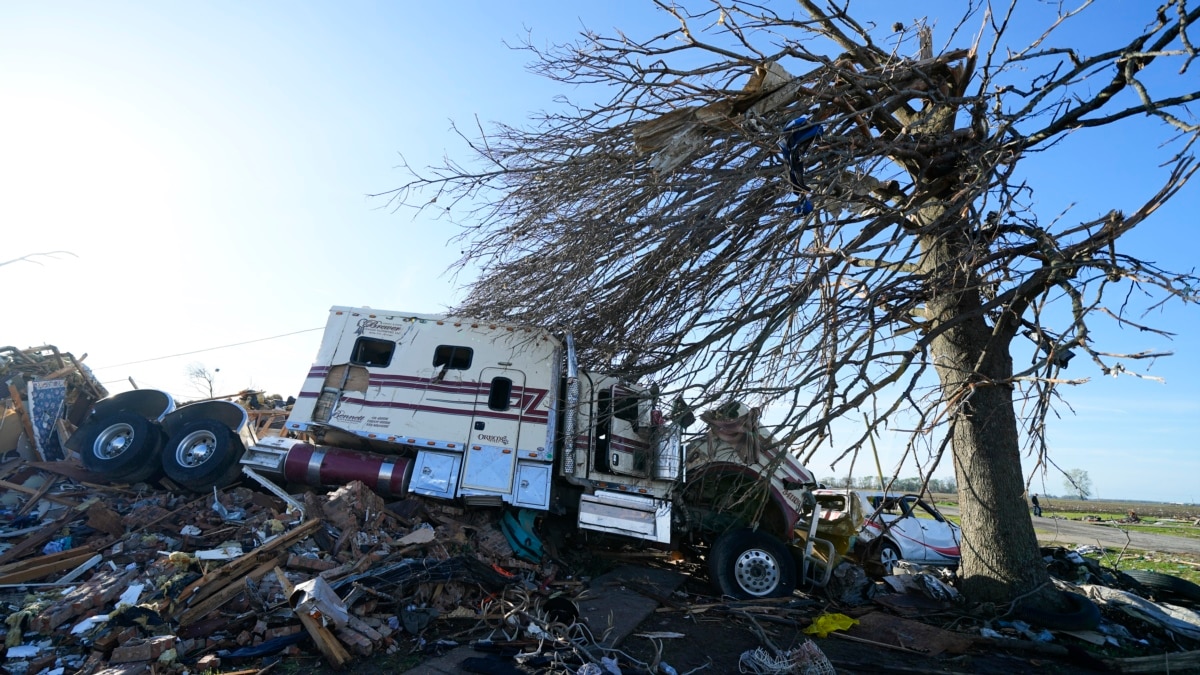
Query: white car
point(897, 527)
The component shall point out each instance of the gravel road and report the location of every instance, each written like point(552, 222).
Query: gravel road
point(1056, 531)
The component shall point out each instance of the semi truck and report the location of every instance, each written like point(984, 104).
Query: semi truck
point(493, 415)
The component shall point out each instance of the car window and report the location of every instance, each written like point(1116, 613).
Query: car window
point(924, 510)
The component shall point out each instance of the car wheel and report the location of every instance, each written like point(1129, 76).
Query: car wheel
point(1165, 584)
point(887, 555)
point(122, 447)
point(202, 455)
point(746, 564)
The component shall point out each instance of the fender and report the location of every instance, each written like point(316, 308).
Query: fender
point(785, 515)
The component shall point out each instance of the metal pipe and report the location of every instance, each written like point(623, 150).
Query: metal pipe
point(569, 415)
point(321, 466)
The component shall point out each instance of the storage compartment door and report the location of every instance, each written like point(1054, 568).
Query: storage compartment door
point(436, 474)
point(533, 485)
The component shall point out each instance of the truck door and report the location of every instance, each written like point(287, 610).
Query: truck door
point(621, 449)
point(491, 455)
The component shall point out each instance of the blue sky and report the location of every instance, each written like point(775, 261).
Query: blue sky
point(208, 165)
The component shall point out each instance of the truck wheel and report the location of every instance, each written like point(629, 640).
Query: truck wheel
point(202, 455)
point(746, 564)
point(122, 447)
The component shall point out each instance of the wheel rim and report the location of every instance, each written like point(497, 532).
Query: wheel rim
point(195, 448)
point(113, 441)
point(756, 572)
point(888, 557)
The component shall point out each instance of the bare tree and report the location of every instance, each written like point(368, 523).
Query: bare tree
point(203, 379)
point(884, 267)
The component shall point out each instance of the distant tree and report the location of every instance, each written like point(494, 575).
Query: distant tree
point(203, 380)
point(868, 482)
point(802, 208)
point(1077, 482)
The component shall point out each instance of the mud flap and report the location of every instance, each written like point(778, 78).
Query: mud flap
point(518, 530)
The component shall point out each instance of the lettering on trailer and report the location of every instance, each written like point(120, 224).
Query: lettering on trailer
point(348, 419)
point(499, 440)
point(379, 327)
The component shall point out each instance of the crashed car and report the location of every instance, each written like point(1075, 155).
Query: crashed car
point(895, 527)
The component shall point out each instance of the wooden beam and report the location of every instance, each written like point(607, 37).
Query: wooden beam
point(30, 491)
point(46, 533)
point(45, 569)
point(229, 592)
point(211, 583)
point(327, 642)
point(41, 492)
point(24, 416)
point(43, 559)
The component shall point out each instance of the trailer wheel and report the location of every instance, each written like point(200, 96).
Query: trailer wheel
point(122, 446)
point(202, 455)
point(746, 564)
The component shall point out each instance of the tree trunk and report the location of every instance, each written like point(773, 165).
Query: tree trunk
point(1000, 555)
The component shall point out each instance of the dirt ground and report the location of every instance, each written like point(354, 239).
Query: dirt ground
point(704, 636)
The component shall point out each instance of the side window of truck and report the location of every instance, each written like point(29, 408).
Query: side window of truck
point(450, 357)
point(500, 393)
point(626, 408)
point(372, 352)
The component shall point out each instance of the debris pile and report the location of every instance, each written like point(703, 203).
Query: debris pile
point(45, 395)
point(96, 574)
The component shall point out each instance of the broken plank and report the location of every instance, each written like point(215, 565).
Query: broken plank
point(212, 582)
point(327, 643)
point(47, 568)
point(1173, 662)
point(45, 534)
point(44, 559)
point(36, 496)
point(229, 592)
point(30, 491)
point(26, 423)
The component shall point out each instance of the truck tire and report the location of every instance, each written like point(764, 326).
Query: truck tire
point(122, 447)
point(1165, 585)
point(746, 564)
point(1082, 614)
point(202, 455)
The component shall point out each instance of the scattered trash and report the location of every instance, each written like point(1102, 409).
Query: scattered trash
point(827, 623)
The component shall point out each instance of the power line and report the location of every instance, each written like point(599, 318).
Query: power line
point(209, 349)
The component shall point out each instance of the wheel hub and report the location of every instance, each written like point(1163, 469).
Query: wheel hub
point(195, 448)
point(113, 441)
point(757, 572)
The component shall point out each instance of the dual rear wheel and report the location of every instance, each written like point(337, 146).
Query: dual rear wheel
point(129, 448)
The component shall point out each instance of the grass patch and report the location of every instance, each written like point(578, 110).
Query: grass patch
point(1179, 565)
